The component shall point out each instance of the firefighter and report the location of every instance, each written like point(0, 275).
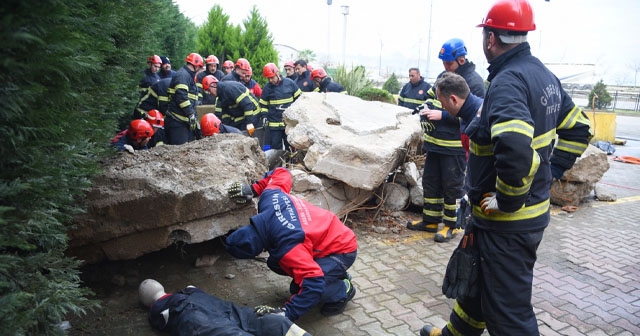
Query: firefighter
point(305, 242)
point(211, 68)
point(239, 71)
point(156, 119)
point(181, 121)
point(157, 97)
point(150, 75)
point(289, 69)
point(277, 95)
point(513, 159)
point(166, 71)
point(414, 93)
point(303, 79)
point(227, 67)
point(135, 137)
point(235, 105)
point(324, 83)
point(210, 125)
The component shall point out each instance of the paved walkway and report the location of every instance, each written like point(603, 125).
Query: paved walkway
point(587, 278)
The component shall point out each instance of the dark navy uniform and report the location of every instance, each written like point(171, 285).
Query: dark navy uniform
point(149, 78)
point(412, 96)
point(122, 139)
point(204, 98)
point(192, 312)
point(275, 99)
point(327, 85)
point(512, 148)
point(236, 106)
point(157, 97)
point(183, 98)
point(305, 83)
point(232, 76)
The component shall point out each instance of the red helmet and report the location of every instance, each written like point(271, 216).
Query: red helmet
point(212, 59)
point(154, 59)
point(249, 72)
point(288, 64)
point(207, 81)
point(140, 129)
point(155, 118)
point(510, 15)
point(227, 64)
point(195, 59)
point(318, 73)
point(243, 64)
point(210, 124)
point(269, 70)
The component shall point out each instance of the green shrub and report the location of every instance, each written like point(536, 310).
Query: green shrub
point(375, 94)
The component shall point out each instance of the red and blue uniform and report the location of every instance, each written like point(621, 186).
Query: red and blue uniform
point(306, 242)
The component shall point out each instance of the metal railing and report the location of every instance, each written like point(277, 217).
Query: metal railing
point(622, 101)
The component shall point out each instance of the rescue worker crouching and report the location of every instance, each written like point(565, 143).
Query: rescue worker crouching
point(135, 137)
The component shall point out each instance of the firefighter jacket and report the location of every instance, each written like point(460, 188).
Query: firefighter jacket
point(295, 233)
point(327, 85)
point(183, 95)
point(232, 76)
point(157, 97)
point(149, 79)
point(166, 74)
point(276, 98)
point(441, 136)
point(235, 105)
point(305, 83)
point(512, 145)
point(412, 96)
point(203, 97)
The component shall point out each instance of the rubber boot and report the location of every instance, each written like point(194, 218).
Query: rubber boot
point(445, 234)
point(429, 330)
point(421, 226)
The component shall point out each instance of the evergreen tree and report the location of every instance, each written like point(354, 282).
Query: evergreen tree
point(69, 71)
point(216, 36)
point(258, 44)
point(392, 85)
point(604, 98)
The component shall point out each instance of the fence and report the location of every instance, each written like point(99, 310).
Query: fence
point(622, 101)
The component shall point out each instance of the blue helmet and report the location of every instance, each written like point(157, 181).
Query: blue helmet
point(452, 49)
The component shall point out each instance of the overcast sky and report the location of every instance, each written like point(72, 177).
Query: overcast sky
point(396, 35)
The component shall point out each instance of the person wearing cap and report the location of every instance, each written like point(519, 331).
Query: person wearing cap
point(191, 311)
point(166, 71)
point(150, 75)
point(305, 242)
point(527, 133)
point(227, 67)
point(290, 70)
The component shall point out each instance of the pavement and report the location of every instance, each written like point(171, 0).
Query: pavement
point(586, 279)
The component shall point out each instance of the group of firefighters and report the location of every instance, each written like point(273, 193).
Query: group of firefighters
point(166, 110)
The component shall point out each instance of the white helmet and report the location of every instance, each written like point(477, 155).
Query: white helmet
point(150, 291)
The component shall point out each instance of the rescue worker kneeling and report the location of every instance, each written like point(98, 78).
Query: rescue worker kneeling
point(305, 242)
point(191, 311)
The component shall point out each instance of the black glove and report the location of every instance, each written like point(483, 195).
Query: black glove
point(461, 277)
point(556, 171)
point(240, 192)
point(417, 109)
point(193, 122)
point(264, 310)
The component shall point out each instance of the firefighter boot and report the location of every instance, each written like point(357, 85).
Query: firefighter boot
point(445, 234)
point(429, 330)
point(421, 226)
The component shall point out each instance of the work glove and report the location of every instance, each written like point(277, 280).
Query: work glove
point(427, 126)
point(489, 203)
point(556, 172)
point(461, 276)
point(129, 149)
point(417, 109)
point(264, 310)
point(240, 192)
point(193, 122)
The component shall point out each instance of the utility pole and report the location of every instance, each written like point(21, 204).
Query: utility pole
point(426, 71)
point(380, 60)
point(329, 31)
point(345, 12)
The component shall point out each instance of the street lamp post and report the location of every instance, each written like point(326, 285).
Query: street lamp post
point(329, 31)
point(345, 12)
